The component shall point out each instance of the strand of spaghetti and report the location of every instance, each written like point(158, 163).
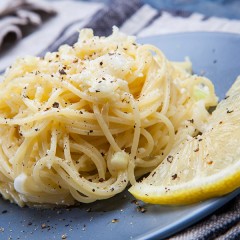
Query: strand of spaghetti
point(96, 133)
point(10, 104)
point(30, 104)
point(88, 124)
point(19, 156)
point(98, 141)
point(53, 147)
point(84, 186)
point(44, 145)
point(65, 85)
point(77, 92)
point(170, 129)
point(93, 154)
point(105, 129)
point(149, 99)
point(90, 116)
point(137, 127)
point(56, 112)
point(125, 116)
point(149, 111)
point(147, 147)
point(47, 184)
point(135, 142)
point(37, 116)
point(55, 181)
point(53, 97)
point(67, 150)
point(7, 192)
point(44, 162)
point(5, 166)
point(149, 82)
point(9, 147)
point(77, 196)
point(109, 156)
point(19, 82)
point(92, 191)
point(104, 113)
point(35, 130)
point(47, 198)
point(143, 60)
point(39, 93)
point(157, 70)
point(161, 63)
point(74, 106)
point(83, 163)
point(166, 100)
point(50, 155)
point(34, 105)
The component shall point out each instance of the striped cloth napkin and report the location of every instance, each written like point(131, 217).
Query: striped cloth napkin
point(132, 17)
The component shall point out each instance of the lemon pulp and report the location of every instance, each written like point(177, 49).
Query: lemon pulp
point(201, 167)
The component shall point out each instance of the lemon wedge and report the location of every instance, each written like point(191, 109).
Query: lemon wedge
point(202, 167)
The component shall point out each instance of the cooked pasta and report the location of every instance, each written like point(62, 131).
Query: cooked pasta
point(83, 122)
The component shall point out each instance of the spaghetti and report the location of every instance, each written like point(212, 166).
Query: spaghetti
point(83, 122)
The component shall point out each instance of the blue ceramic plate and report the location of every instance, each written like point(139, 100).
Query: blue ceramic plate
point(216, 55)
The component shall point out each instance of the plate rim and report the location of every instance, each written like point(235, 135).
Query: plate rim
point(188, 33)
point(197, 215)
point(214, 203)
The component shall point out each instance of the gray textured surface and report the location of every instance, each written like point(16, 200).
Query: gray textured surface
point(214, 53)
